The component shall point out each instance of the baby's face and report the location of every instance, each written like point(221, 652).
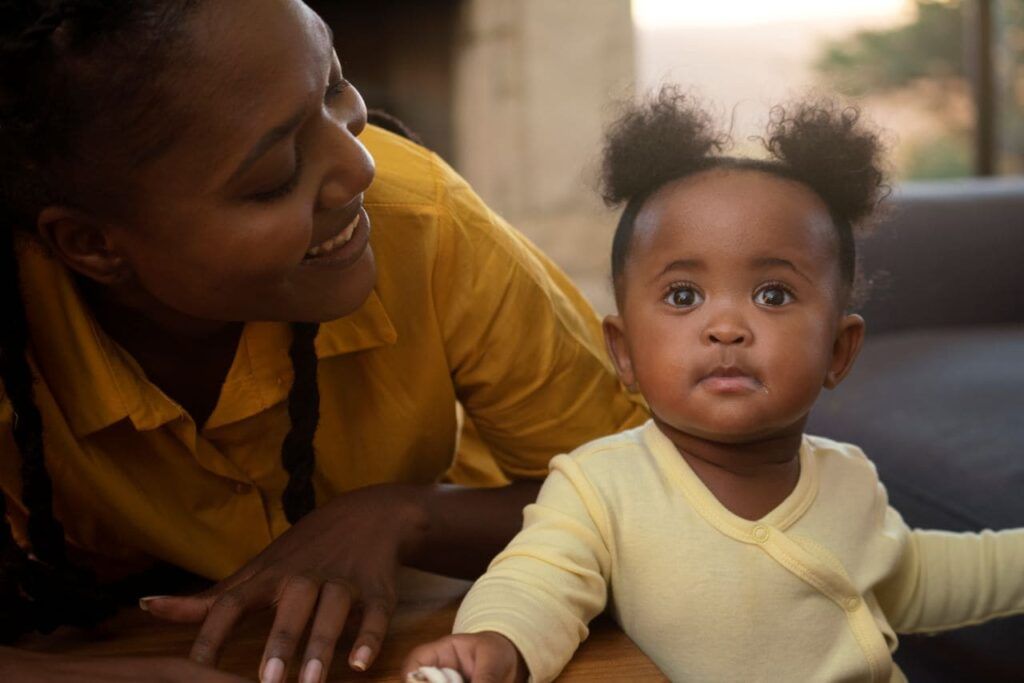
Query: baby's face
point(731, 315)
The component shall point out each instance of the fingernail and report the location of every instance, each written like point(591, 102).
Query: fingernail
point(362, 658)
point(313, 670)
point(273, 671)
point(144, 602)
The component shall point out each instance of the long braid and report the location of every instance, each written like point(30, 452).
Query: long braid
point(45, 532)
point(41, 590)
point(297, 453)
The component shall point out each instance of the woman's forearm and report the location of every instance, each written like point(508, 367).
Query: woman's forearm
point(461, 529)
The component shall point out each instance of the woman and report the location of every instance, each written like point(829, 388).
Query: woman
point(202, 341)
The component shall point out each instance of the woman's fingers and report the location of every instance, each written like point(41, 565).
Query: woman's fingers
point(224, 612)
point(294, 606)
point(181, 608)
point(331, 613)
point(193, 608)
point(377, 611)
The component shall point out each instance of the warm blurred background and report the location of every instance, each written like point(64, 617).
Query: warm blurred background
point(514, 93)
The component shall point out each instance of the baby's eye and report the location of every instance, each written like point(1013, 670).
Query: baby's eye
point(684, 296)
point(773, 295)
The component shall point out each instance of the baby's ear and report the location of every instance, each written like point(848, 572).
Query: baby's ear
point(618, 350)
point(849, 339)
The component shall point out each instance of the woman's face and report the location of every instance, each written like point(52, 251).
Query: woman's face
point(255, 212)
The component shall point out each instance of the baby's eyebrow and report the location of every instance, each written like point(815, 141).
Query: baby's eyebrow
point(775, 262)
point(681, 264)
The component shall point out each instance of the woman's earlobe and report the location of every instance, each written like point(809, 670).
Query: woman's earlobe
point(82, 244)
point(849, 340)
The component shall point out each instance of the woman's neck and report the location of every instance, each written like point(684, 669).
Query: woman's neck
point(187, 358)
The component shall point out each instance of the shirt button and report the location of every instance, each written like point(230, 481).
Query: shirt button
point(851, 604)
point(760, 533)
point(241, 488)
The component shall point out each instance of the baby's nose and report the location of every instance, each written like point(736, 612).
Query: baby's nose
point(726, 337)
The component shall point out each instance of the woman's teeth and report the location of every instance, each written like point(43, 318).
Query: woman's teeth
point(336, 241)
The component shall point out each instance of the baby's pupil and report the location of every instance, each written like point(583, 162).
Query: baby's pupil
point(684, 297)
point(774, 296)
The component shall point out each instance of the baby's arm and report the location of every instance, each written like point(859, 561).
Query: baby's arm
point(541, 591)
point(948, 580)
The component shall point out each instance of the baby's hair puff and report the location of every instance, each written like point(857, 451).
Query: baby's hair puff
point(668, 137)
point(818, 142)
point(827, 147)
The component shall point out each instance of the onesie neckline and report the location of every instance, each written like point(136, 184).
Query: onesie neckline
point(782, 516)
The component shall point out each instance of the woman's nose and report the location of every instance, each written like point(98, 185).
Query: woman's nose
point(350, 168)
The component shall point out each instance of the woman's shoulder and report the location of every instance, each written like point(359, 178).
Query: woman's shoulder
point(406, 173)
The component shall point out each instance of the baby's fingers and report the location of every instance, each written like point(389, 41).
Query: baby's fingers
point(440, 654)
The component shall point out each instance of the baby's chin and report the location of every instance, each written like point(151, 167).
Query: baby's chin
point(735, 429)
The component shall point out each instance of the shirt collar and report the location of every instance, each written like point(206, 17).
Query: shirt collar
point(96, 383)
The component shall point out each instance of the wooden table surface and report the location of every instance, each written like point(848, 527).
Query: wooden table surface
point(426, 611)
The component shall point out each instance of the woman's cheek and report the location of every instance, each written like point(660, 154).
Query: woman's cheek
point(275, 244)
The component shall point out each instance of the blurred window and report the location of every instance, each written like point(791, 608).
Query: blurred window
point(943, 77)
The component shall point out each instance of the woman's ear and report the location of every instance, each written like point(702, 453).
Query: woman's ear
point(82, 243)
point(618, 350)
point(849, 339)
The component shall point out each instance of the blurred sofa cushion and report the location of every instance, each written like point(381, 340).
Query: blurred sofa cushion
point(936, 398)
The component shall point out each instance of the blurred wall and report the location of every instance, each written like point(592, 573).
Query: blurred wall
point(514, 94)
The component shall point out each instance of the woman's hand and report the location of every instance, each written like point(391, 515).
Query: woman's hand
point(19, 665)
point(485, 657)
point(342, 555)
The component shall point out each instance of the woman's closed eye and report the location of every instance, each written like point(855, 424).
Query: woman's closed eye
point(683, 296)
point(773, 294)
point(285, 188)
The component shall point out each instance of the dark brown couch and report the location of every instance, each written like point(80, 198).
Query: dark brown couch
point(937, 397)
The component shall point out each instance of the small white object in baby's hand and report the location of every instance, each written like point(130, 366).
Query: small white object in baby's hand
point(431, 674)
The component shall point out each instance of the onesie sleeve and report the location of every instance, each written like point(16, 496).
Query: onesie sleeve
point(551, 580)
point(524, 348)
point(946, 580)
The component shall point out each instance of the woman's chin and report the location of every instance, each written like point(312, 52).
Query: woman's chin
point(339, 299)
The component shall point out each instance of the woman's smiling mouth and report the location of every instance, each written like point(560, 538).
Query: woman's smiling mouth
point(345, 248)
point(341, 238)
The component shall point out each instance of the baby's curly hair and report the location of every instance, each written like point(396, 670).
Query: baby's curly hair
point(820, 143)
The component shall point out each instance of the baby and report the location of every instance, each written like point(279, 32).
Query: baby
point(728, 544)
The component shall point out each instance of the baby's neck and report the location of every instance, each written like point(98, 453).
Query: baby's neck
point(750, 479)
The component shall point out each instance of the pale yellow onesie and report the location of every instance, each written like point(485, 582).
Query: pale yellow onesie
point(814, 591)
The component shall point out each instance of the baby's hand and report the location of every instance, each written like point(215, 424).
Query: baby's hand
point(486, 657)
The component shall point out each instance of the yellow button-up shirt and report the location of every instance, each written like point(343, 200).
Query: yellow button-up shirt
point(464, 310)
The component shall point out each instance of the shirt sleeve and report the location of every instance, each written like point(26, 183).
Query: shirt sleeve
point(524, 347)
point(947, 580)
point(543, 589)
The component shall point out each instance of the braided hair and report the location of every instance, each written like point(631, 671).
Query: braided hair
point(819, 143)
point(64, 65)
